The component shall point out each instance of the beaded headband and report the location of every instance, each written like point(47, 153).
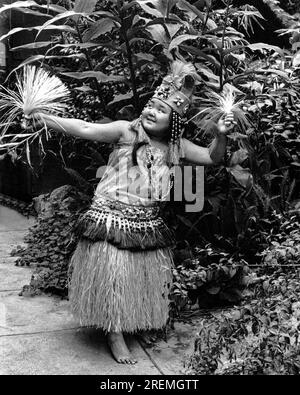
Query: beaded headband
point(176, 88)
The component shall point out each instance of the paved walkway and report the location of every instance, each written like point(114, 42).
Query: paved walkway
point(38, 335)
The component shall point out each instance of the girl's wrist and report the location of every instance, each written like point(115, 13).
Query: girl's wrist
point(216, 130)
point(219, 135)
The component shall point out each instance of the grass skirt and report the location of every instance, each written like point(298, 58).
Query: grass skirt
point(120, 290)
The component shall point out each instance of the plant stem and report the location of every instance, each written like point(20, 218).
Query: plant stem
point(201, 41)
point(223, 42)
point(130, 64)
point(206, 20)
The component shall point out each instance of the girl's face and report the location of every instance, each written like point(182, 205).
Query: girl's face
point(156, 118)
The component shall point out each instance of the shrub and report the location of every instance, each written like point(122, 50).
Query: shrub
point(50, 241)
point(284, 249)
point(258, 338)
point(208, 279)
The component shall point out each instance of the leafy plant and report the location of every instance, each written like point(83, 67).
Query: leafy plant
point(258, 338)
point(208, 278)
point(284, 249)
point(50, 241)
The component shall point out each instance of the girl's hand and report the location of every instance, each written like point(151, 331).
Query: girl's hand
point(28, 122)
point(225, 125)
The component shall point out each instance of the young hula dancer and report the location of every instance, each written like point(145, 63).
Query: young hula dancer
point(121, 270)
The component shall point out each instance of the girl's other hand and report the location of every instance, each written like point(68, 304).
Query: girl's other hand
point(226, 124)
point(26, 122)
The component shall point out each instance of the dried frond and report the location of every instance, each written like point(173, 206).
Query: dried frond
point(39, 91)
point(217, 105)
point(36, 92)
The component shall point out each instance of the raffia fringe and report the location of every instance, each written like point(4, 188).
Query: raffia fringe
point(147, 238)
point(119, 290)
point(175, 152)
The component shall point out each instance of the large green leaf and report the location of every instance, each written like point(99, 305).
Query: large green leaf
point(83, 8)
point(87, 6)
point(98, 28)
point(149, 10)
point(211, 77)
point(138, 18)
point(49, 27)
point(34, 45)
point(145, 56)
point(238, 157)
point(54, 7)
point(160, 34)
point(157, 21)
point(84, 88)
point(107, 14)
point(163, 6)
point(119, 98)
point(185, 6)
point(26, 4)
point(296, 59)
point(242, 176)
point(17, 4)
point(264, 46)
point(63, 15)
point(29, 11)
point(72, 56)
point(281, 73)
point(180, 39)
point(101, 77)
point(167, 24)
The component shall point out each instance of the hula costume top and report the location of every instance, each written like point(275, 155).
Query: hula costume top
point(125, 210)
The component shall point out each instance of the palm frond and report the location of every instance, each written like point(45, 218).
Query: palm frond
point(36, 91)
point(39, 91)
point(216, 105)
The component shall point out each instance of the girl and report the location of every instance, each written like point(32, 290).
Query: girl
point(121, 269)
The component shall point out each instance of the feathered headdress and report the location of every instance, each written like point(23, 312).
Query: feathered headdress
point(176, 91)
point(177, 87)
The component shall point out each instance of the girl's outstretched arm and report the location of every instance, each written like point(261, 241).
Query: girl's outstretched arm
point(215, 153)
point(107, 132)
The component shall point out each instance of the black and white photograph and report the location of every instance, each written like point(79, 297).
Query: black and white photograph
point(149, 190)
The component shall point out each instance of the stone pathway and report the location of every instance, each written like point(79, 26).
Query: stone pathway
point(38, 335)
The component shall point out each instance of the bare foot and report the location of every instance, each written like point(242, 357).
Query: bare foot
point(119, 349)
point(147, 338)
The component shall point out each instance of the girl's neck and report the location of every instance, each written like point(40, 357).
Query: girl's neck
point(161, 140)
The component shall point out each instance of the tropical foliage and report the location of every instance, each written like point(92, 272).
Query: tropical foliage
point(260, 337)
